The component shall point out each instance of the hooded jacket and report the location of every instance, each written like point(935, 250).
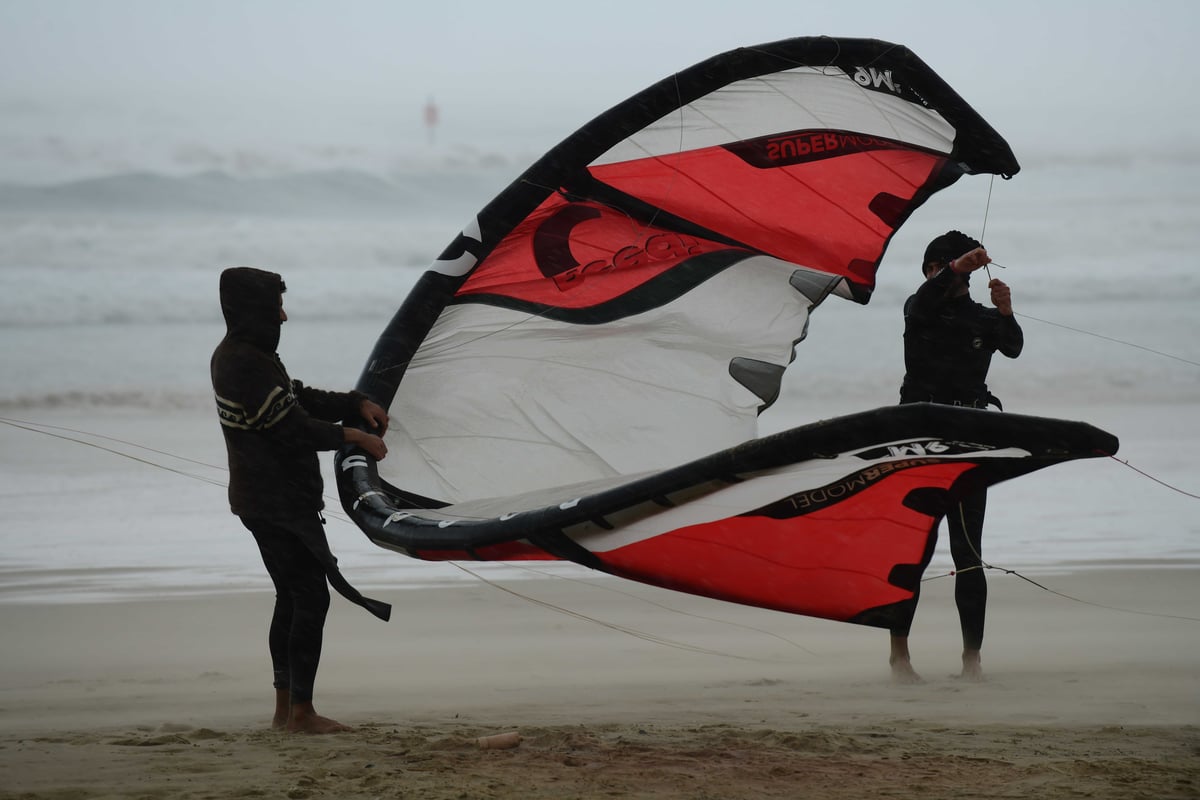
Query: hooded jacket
point(273, 426)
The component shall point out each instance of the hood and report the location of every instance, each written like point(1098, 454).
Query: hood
point(250, 301)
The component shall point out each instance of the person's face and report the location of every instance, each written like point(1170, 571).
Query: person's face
point(282, 313)
point(960, 283)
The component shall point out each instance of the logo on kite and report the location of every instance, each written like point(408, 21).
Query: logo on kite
point(832, 493)
point(554, 258)
point(872, 78)
point(799, 147)
point(923, 448)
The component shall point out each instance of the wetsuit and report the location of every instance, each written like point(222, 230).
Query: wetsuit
point(273, 428)
point(948, 347)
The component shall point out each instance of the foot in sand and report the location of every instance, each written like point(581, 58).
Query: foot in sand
point(283, 708)
point(903, 672)
point(901, 662)
point(305, 719)
point(972, 666)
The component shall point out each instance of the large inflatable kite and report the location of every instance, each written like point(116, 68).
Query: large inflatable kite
point(579, 375)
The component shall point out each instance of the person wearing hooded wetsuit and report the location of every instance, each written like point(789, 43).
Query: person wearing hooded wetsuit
point(273, 429)
point(949, 340)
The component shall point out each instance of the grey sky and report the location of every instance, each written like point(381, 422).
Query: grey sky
point(347, 73)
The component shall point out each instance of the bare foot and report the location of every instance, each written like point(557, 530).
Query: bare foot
point(283, 707)
point(903, 672)
point(901, 662)
point(972, 669)
point(316, 724)
point(304, 719)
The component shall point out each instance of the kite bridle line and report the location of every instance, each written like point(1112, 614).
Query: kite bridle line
point(1110, 339)
point(983, 229)
point(1151, 477)
point(649, 637)
point(47, 430)
point(983, 232)
point(984, 565)
point(594, 584)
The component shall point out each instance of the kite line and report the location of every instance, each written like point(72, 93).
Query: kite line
point(62, 434)
point(985, 565)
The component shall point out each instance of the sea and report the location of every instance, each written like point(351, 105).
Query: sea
point(112, 458)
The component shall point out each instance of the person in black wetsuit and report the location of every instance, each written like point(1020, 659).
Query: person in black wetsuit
point(273, 428)
point(949, 340)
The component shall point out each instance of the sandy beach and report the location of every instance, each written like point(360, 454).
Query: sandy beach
point(636, 692)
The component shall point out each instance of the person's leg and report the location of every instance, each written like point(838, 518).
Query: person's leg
point(899, 659)
point(970, 582)
point(310, 599)
point(300, 578)
point(271, 546)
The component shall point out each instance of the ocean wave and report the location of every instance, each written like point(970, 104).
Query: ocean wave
point(146, 399)
point(117, 271)
point(328, 194)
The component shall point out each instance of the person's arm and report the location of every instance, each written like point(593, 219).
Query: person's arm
point(375, 446)
point(301, 429)
point(970, 261)
point(932, 292)
point(376, 417)
point(1011, 337)
point(338, 406)
point(327, 407)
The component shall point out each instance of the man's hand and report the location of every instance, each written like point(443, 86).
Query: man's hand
point(374, 415)
point(969, 262)
point(1001, 296)
point(375, 447)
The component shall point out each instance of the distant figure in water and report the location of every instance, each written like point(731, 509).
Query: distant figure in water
point(273, 429)
point(949, 340)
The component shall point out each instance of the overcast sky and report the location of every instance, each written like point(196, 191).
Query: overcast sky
point(356, 73)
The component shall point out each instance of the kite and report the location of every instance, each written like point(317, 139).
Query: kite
point(580, 373)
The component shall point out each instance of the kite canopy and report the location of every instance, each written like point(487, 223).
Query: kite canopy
point(626, 308)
